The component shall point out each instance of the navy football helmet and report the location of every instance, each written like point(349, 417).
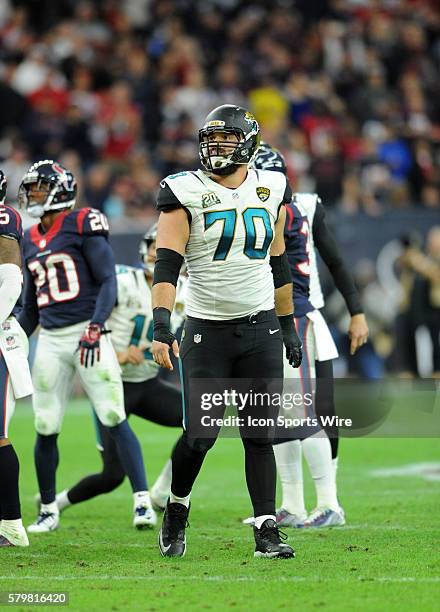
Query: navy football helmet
point(269, 158)
point(145, 243)
point(51, 178)
point(3, 186)
point(223, 158)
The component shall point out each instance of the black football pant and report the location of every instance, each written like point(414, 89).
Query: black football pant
point(153, 400)
point(248, 348)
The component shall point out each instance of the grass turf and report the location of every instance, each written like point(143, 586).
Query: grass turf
point(385, 558)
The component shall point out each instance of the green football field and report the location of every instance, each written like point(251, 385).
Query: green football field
point(387, 557)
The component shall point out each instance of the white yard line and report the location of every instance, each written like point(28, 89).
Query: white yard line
point(174, 578)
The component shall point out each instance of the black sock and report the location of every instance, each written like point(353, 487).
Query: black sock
point(46, 463)
point(261, 475)
point(9, 496)
point(110, 478)
point(334, 443)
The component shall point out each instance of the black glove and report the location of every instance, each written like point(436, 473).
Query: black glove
point(291, 340)
point(89, 344)
point(161, 326)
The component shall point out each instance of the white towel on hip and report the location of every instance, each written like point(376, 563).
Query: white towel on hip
point(14, 346)
point(325, 346)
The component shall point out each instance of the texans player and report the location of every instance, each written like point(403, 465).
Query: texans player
point(70, 290)
point(288, 454)
point(15, 379)
point(146, 395)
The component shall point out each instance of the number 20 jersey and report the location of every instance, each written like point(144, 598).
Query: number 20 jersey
point(65, 287)
point(227, 253)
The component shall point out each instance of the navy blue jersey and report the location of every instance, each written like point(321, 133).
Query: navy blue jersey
point(296, 236)
point(10, 225)
point(65, 269)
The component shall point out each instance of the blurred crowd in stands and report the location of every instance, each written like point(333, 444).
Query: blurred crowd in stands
point(348, 90)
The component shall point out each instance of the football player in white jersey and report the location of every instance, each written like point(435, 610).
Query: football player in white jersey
point(145, 395)
point(15, 377)
point(227, 223)
point(288, 454)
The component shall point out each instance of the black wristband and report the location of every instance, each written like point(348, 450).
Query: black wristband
point(287, 323)
point(161, 318)
point(161, 326)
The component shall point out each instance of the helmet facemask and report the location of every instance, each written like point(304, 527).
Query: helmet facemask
point(47, 187)
point(36, 206)
point(147, 260)
point(3, 187)
point(222, 157)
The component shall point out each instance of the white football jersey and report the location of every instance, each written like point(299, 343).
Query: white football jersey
point(131, 320)
point(227, 254)
point(306, 202)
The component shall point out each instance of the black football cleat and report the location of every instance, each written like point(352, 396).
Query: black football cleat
point(172, 540)
point(268, 542)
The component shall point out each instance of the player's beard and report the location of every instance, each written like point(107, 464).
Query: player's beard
point(225, 171)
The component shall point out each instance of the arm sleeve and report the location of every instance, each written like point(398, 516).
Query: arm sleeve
point(331, 255)
point(29, 316)
point(99, 256)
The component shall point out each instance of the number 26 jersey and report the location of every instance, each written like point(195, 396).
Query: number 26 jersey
point(231, 231)
point(65, 283)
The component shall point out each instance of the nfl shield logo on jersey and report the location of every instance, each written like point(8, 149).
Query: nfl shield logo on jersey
point(263, 193)
point(197, 338)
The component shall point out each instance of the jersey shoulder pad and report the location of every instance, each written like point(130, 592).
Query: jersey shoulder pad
point(307, 203)
point(178, 190)
point(126, 284)
point(276, 183)
point(89, 222)
point(306, 200)
point(129, 279)
point(10, 223)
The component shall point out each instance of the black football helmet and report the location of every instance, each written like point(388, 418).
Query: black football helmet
point(3, 186)
point(269, 158)
point(59, 183)
point(145, 243)
point(228, 119)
